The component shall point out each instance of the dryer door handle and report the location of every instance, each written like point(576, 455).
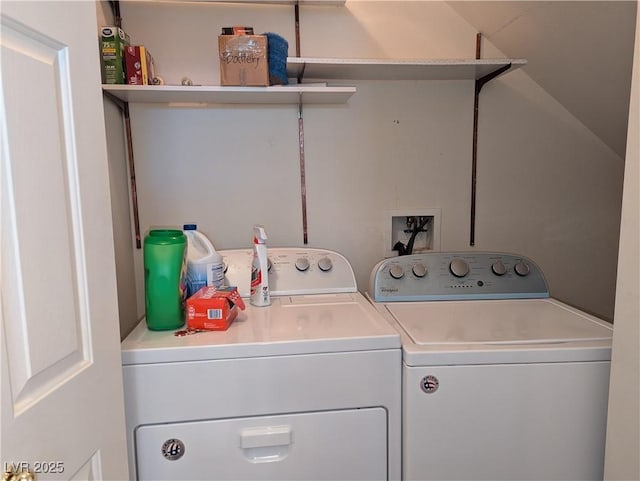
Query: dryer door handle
point(266, 444)
point(265, 436)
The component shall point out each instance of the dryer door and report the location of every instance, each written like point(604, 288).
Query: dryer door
point(332, 445)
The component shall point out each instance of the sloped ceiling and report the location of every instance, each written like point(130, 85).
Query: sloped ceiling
point(580, 52)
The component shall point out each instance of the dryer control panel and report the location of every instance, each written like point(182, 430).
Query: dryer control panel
point(292, 271)
point(456, 276)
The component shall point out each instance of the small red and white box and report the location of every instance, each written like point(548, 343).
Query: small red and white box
point(213, 308)
point(139, 65)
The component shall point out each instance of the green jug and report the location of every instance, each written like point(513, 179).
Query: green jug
point(165, 270)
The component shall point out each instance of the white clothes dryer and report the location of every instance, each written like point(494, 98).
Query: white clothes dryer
point(500, 381)
point(307, 388)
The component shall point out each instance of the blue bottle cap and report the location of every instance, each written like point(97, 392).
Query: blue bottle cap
point(190, 227)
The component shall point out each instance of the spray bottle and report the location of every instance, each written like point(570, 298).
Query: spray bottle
point(259, 269)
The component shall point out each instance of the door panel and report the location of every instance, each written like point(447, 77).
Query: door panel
point(62, 403)
point(44, 167)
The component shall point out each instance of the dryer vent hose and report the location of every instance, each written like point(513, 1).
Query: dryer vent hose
point(415, 225)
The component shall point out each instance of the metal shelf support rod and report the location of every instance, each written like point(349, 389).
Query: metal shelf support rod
point(479, 83)
point(124, 109)
point(303, 175)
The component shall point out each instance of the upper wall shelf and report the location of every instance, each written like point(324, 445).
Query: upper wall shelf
point(392, 69)
point(315, 68)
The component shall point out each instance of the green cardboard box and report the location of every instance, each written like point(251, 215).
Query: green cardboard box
point(113, 42)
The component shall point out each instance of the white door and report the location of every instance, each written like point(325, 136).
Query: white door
point(62, 403)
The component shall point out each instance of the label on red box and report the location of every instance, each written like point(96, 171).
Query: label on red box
point(213, 308)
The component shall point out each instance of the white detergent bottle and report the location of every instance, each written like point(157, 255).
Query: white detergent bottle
point(205, 266)
point(259, 269)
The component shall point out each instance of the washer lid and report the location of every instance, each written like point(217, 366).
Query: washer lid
point(494, 322)
point(498, 331)
point(323, 323)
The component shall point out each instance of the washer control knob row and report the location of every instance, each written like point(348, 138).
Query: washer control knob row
point(459, 267)
point(522, 268)
point(302, 264)
point(498, 268)
point(419, 269)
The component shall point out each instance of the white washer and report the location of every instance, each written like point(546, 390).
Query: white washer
point(306, 389)
point(500, 381)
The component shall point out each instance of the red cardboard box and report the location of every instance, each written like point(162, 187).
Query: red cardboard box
point(213, 308)
point(139, 65)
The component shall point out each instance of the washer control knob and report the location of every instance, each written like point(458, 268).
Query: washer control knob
point(499, 268)
point(419, 269)
point(302, 264)
point(396, 271)
point(459, 267)
point(522, 268)
point(325, 264)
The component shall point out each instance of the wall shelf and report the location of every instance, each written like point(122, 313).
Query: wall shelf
point(213, 94)
point(393, 69)
point(315, 68)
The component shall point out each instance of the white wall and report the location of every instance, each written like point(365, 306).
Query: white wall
point(623, 422)
point(547, 187)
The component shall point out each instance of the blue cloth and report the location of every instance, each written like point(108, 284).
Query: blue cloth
point(278, 50)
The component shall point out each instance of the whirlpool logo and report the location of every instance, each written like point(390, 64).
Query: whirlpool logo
point(429, 384)
point(173, 449)
point(388, 290)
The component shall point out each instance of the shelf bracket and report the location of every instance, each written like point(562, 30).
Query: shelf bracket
point(124, 109)
point(479, 83)
point(303, 175)
point(296, 14)
point(115, 10)
point(132, 176)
